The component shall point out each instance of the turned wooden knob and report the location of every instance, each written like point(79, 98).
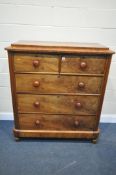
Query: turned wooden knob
point(81, 85)
point(78, 105)
point(36, 104)
point(36, 63)
point(37, 122)
point(76, 123)
point(83, 65)
point(36, 83)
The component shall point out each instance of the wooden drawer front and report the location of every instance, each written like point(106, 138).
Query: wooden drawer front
point(61, 104)
point(56, 122)
point(35, 63)
point(87, 64)
point(58, 84)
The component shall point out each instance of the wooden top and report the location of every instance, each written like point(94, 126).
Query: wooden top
point(59, 47)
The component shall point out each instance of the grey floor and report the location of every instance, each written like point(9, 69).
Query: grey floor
point(57, 157)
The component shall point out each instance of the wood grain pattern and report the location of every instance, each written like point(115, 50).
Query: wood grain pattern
point(56, 134)
point(94, 64)
point(58, 89)
point(107, 68)
point(61, 104)
point(13, 88)
point(56, 122)
point(59, 44)
point(57, 84)
point(61, 47)
point(47, 63)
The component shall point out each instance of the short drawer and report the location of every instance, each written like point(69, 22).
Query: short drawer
point(35, 63)
point(58, 84)
point(61, 104)
point(56, 122)
point(83, 64)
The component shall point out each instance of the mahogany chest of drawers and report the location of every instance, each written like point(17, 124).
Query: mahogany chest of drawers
point(58, 88)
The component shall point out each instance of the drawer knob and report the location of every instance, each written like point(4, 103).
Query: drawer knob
point(37, 122)
point(83, 65)
point(81, 85)
point(36, 83)
point(78, 105)
point(36, 63)
point(36, 104)
point(76, 123)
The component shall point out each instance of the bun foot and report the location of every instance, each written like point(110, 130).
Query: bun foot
point(17, 139)
point(94, 141)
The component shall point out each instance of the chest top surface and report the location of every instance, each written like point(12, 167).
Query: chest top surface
point(59, 47)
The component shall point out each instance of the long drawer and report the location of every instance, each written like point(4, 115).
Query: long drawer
point(61, 104)
point(56, 122)
point(58, 84)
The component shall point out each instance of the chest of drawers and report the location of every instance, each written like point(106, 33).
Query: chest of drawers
point(58, 88)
